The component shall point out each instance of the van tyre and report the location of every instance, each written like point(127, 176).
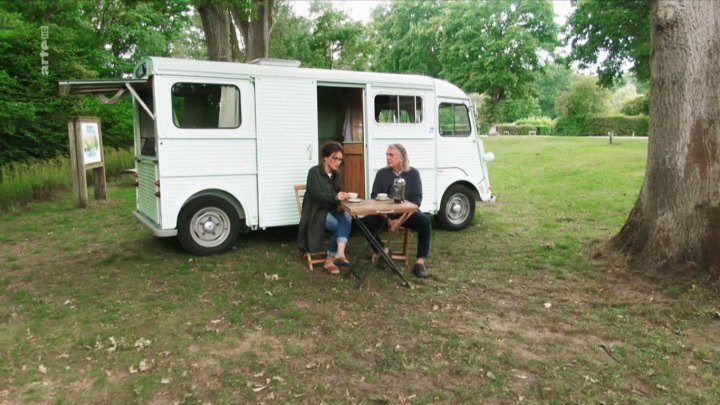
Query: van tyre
point(208, 225)
point(457, 208)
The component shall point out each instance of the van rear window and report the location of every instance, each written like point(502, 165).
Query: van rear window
point(454, 120)
point(203, 105)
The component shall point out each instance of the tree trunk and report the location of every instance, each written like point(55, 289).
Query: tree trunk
point(255, 23)
point(675, 224)
point(218, 31)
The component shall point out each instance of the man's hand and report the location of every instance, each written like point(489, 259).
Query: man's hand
point(393, 225)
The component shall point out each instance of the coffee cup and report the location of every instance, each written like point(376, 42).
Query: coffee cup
point(382, 196)
point(353, 196)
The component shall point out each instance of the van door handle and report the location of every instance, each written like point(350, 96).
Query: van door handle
point(309, 152)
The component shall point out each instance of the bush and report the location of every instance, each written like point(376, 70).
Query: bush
point(619, 124)
point(543, 125)
point(602, 124)
point(571, 126)
point(513, 129)
point(637, 106)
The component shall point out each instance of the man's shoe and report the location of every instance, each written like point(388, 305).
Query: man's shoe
point(420, 271)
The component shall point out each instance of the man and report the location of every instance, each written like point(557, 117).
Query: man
point(398, 165)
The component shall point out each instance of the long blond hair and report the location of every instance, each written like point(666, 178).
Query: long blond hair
point(403, 156)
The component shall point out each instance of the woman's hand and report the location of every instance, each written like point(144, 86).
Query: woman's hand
point(342, 196)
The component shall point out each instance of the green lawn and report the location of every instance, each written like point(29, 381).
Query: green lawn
point(527, 305)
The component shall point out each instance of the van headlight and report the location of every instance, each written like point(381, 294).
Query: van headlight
point(489, 157)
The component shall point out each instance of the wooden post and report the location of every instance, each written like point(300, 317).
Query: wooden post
point(99, 183)
point(86, 152)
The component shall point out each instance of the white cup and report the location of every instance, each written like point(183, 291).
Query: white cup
point(353, 196)
point(382, 196)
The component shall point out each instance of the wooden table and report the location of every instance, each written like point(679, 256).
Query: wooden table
point(374, 207)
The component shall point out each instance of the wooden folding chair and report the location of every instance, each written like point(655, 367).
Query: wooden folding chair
point(400, 249)
point(312, 258)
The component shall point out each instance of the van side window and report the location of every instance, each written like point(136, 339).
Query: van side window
point(202, 105)
point(454, 120)
point(393, 109)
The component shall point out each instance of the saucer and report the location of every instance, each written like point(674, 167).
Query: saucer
point(355, 200)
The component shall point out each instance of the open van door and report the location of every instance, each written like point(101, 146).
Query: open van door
point(102, 87)
point(109, 91)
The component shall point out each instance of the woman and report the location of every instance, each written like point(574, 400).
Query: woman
point(321, 209)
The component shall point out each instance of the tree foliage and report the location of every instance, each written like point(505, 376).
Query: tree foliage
point(620, 31)
point(337, 40)
point(405, 40)
point(511, 110)
point(292, 36)
point(491, 47)
point(495, 47)
point(555, 80)
point(583, 98)
point(71, 40)
point(328, 39)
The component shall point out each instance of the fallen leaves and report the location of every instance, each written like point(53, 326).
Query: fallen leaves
point(142, 367)
point(262, 385)
point(141, 343)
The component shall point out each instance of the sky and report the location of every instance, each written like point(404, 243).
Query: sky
point(361, 9)
point(356, 9)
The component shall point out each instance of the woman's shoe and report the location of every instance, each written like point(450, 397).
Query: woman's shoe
point(332, 269)
point(342, 262)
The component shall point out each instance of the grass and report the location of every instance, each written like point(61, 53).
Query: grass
point(22, 183)
point(527, 305)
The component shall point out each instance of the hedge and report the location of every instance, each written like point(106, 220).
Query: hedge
point(602, 124)
point(513, 129)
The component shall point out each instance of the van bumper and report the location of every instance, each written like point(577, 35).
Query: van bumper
point(160, 233)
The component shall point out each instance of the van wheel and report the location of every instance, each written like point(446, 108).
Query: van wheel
point(208, 225)
point(457, 208)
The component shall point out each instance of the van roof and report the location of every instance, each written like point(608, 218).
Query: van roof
point(188, 67)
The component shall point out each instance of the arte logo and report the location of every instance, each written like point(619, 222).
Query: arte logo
point(44, 35)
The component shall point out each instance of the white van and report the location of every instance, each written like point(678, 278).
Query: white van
point(219, 146)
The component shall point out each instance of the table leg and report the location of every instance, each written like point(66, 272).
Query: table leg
point(379, 248)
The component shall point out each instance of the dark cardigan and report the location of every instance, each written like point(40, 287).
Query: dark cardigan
point(320, 197)
point(413, 185)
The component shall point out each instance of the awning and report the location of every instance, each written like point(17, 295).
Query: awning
point(101, 87)
point(69, 87)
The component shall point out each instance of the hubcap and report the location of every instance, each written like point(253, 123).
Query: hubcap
point(458, 209)
point(210, 227)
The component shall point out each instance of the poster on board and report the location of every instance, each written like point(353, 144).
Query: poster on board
point(91, 143)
